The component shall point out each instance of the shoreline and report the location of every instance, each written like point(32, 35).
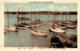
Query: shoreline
point(41, 12)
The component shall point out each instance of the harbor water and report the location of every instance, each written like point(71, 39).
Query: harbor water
point(24, 38)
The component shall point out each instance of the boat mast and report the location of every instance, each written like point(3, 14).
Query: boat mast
point(70, 14)
point(62, 16)
point(35, 21)
point(18, 15)
point(31, 16)
point(66, 17)
point(55, 14)
point(7, 17)
point(22, 12)
point(39, 16)
point(48, 16)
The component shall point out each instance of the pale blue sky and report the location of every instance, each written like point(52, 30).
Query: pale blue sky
point(41, 6)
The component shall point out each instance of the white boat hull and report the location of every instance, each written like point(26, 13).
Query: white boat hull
point(39, 33)
point(62, 28)
point(71, 26)
point(10, 29)
point(57, 30)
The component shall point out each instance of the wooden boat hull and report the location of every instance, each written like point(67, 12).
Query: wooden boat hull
point(10, 29)
point(63, 28)
point(71, 26)
point(38, 33)
point(57, 31)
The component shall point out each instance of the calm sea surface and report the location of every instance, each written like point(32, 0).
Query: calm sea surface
point(24, 38)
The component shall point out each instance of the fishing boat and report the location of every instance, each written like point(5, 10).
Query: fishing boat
point(57, 26)
point(9, 28)
point(57, 30)
point(63, 39)
point(32, 24)
point(71, 25)
point(63, 27)
point(61, 24)
point(37, 32)
point(37, 22)
point(21, 20)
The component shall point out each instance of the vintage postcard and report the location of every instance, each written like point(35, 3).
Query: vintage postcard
point(40, 24)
